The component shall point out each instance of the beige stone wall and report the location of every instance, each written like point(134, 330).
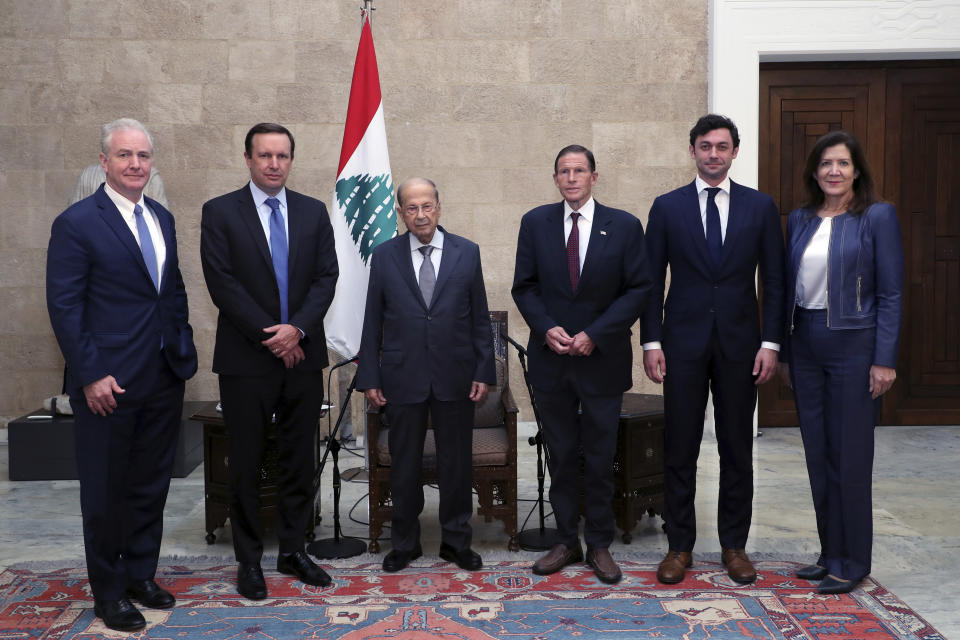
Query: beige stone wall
point(479, 95)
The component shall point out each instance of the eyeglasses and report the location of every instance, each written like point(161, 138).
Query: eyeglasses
point(412, 210)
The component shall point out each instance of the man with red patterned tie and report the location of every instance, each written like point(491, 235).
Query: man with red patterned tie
point(580, 282)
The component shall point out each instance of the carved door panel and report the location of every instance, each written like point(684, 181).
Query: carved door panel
point(923, 161)
point(907, 115)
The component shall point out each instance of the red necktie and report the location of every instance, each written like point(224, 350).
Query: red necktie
point(573, 252)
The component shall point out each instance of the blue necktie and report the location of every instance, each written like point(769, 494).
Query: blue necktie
point(278, 249)
point(146, 245)
point(714, 237)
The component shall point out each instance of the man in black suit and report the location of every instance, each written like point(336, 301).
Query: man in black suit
point(426, 348)
point(119, 310)
point(714, 234)
point(580, 282)
point(270, 266)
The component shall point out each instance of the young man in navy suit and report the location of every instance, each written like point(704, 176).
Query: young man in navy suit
point(119, 310)
point(714, 234)
point(270, 266)
point(426, 348)
point(580, 282)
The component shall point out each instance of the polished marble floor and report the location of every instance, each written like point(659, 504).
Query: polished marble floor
point(916, 515)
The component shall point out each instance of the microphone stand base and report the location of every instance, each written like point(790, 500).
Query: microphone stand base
point(337, 548)
point(537, 539)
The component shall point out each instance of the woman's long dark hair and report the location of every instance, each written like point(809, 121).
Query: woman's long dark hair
point(864, 192)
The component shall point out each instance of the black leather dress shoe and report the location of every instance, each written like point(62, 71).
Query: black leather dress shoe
point(119, 615)
point(250, 582)
point(811, 572)
point(831, 585)
point(467, 559)
point(299, 564)
point(397, 560)
point(150, 594)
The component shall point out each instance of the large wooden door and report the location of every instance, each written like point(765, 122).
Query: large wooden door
point(907, 115)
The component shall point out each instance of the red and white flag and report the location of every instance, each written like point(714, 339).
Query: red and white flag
point(363, 213)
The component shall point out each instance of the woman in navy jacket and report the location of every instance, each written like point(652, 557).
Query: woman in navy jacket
point(844, 278)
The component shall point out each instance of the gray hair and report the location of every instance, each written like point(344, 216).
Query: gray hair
point(412, 181)
point(107, 131)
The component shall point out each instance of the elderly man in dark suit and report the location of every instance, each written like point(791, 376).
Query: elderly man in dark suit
point(119, 310)
point(426, 348)
point(580, 282)
point(271, 269)
point(714, 234)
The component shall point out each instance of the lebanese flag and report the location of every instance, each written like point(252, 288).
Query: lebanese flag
point(363, 213)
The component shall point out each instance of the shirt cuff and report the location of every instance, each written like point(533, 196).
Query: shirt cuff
point(650, 346)
point(770, 345)
point(303, 334)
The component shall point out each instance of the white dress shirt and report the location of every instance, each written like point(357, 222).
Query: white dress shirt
point(436, 242)
point(723, 204)
point(584, 225)
point(264, 211)
point(126, 211)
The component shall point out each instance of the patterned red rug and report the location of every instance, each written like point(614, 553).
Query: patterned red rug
point(436, 600)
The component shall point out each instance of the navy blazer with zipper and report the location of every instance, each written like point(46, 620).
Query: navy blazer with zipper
point(864, 273)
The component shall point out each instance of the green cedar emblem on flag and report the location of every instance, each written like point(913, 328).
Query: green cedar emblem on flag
point(367, 203)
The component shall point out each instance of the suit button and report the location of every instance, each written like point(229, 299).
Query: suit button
point(429, 318)
point(711, 310)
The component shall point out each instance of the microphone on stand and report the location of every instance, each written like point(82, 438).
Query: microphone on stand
point(540, 538)
point(339, 546)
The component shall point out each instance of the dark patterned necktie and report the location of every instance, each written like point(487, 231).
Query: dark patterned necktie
point(714, 237)
point(573, 252)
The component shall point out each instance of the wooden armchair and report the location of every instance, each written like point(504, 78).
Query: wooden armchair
point(494, 453)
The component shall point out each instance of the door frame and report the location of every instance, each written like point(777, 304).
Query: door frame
point(743, 33)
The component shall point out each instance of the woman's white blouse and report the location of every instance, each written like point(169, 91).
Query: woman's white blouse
point(812, 276)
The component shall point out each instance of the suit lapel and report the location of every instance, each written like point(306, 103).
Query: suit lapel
point(404, 265)
point(111, 216)
point(596, 247)
point(557, 245)
point(449, 258)
point(247, 210)
point(168, 238)
point(735, 222)
point(690, 211)
point(296, 219)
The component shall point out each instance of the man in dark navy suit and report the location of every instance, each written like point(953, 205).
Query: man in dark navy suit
point(426, 348)
point(714, 234)
point(271, 268)
point(119, 310)
point(580, 282)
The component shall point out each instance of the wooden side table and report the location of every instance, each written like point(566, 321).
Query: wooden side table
point(638, 465)
point(216, 478)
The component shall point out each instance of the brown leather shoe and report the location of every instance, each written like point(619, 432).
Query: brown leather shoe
point(738, 565)
point(674, 566)
point(560, 556)
point(604, 565)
